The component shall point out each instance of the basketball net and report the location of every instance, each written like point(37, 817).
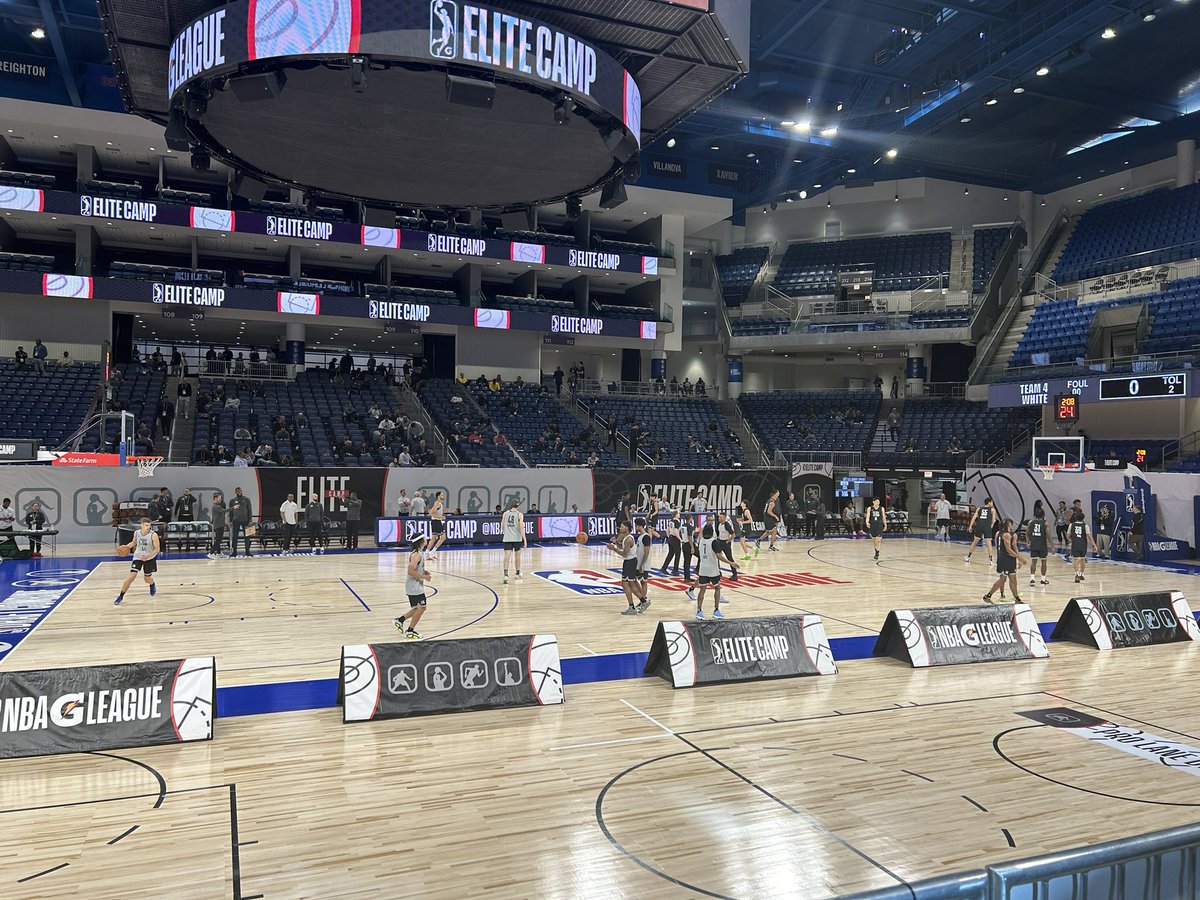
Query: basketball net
point(147, 464)
point(1048, 472)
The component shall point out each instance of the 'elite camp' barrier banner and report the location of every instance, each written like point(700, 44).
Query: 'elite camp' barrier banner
point(387, 681)
point(723, 489)
point(48, 711)
point(946, 636)
point(708, 652)
point(1128, 620)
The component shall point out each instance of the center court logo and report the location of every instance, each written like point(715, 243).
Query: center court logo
point(592, 582)
point(443, 30)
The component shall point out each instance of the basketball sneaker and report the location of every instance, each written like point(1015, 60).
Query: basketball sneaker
point(519, 577)
point(153, 589)
point(1045, 581)
point(756, 546)
point(717, 614)
point(629, 611)
point(700, 614)
point(642, 607)
point(1032, 581)
point(411, 635)
point(399, 623)
point(120, 598)
point(505, 580)
point(877, 554)
point(967, 558)
point(746, 557)
point(1017, 600)
point(691, 594)
point(987, 598)
point(775, 549)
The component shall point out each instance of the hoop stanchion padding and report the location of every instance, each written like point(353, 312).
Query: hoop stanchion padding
point(709, 652)
point(1127, 620)
point(953, 635)
point(412, 678)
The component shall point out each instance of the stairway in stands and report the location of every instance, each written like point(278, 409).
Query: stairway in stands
point(180, 449)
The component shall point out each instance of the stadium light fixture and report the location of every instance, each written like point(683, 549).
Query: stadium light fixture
point(804, 195)
point(829, 132)
point(671, 143)
point(964, 118)
point(1108, 33)
point(1042, 71)
point(892, 153)
point(990, 100)
point(38, 33)
point(1018, 90)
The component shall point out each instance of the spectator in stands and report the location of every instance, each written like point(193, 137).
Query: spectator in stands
point(878, 382)
point(145, 437)
point(911, 446)
point(893, 423)
point(242, 433)
point(415, 431)
point(687, 387)
point(612, 432)
point(176, 362)
point(374, 411)
point(700, 387)
point(66, 362)
point(346, 365)
point(593, 459)
point(301, 420)
point(39, 355)
point(404, 458)
point(20, 357)
point(165, 414)
point(210, 361)
point(349, 416)
point(157, 363)
point(233, 401)
point(221, 455)
point(499, 440)
point(495, 384)
point(183, 402)
point(895, 386)
point(227, 359)
point(955, 445)
point(558, 381)
point(242, 460)
point(386, 425)
point(405, 370)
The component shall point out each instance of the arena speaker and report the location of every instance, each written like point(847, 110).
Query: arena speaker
point(470, 92)
point(613, 194)
point(250, 88)
point(250, 188)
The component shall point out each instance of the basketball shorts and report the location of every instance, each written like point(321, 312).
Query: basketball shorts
point(1006, 566)
point(1038, 552)
point(1079, 553)
point(629, 570)
point(943, 523)
point(145, 566)
point(437, 526)
point(714, 580)
point(771, 523)
point(876, 531)
point(415, 600)
point(512, 545)
point(983, 532)
point(720, 547)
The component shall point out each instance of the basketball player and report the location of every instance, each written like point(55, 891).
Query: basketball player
point(1080, 536)
point(145, 548)
point(876, 524)
point(941, 513)
point(725, 532)
point(770, 523)
point(708, 570)
point(1062, 521)
point(414, 585)
point(512, 533)
point(745, 525)
point(624, 546)
point(644, 543)
point(982, 527)
point(437, 524)
point(1040, 543)
point(1008, 560)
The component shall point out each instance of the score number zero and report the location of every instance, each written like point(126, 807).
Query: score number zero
point(1143, 386)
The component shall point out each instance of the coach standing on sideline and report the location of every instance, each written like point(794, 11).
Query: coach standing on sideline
point(241, 511)
point(220, 515)
point(185, 506)
point(289, 512)
point(353, 515)
point(791, 515)
point(35, 520)
point(314, 518)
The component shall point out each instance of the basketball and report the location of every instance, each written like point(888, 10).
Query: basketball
point(581, 538)
point(123, 550)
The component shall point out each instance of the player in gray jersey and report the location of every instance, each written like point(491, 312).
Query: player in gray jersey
point(512, 533)
point(625, 547)
point(709, 572)
point(145, 549)
point(414, 586)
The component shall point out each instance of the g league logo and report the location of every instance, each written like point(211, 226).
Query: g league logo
point(271, 225)
point(433, 243)
point(156, 295)
point(85, 206)
point(443, 32)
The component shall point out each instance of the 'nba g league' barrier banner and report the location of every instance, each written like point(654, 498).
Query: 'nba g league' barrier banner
point(388, 681)
point(1127, 620)
point(950, 635)
point(48, 711)
point(707, 652)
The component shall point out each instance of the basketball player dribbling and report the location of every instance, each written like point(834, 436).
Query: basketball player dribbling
point(709, 572)
point(982, 527)
point(876, 524)
point(1040, 543)
point(437, 524)
point(512, 533)
point(145, 549)
point(414, 586)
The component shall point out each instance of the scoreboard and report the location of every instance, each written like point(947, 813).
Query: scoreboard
point(1144, 387)
point(1066, 409)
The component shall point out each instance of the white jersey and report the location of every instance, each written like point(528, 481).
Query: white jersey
point(631, 550)
point(512, 527)
point(708, 567)
point(143, 545)
point(438, 510)
point(415, 586)
point(941, 509)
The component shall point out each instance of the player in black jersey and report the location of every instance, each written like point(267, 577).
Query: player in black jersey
point(1040, 542)
point(876, 524)
point(1080, 536)
point(982, 528)
point(1008, 560)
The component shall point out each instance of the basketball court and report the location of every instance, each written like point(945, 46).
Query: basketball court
point(812, 787)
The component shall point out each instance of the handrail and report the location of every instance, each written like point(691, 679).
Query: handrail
point(1176, 448)
point(448, 452)
point(1133, 264)
point(593, 387)
point(1042, 251)
point(1136, 362)
point(741, 422)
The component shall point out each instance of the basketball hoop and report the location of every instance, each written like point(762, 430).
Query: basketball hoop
point(146, 465)
point(1048, 472)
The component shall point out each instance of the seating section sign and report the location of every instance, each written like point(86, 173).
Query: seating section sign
point(1128, 620)
point(951, 635)
point(713, 651)
point(50, 711)
point(412, 678)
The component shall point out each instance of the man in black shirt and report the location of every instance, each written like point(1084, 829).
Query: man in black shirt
point(20, 356)
point(184, 511)
point(241, 512)
point(558, 380)
point(35, 520)
point(1137, 532)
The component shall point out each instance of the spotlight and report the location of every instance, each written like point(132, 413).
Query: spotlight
point(1042, 71)
point(829, 132)
point(964, 119)
point(1018, 90)
point(358, 74)
point(201, 159)
point(790, 199)
point(715, 147)
point(828, 204)
point(966, 191)
point(1005, 198)
point(851, 171)
point(990, 100)
point(671, 144)
point(563, 109)
point(38, 33)
point(892, 153)
point(1108, 33)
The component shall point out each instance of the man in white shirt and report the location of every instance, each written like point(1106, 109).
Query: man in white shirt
point(403, 503)
point(290, 513)
point(404, 459)
point(386, 425)
point(418, 505)
point(8, 515)
point(941, 513)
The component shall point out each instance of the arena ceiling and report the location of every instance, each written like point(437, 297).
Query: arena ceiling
point(900, 74)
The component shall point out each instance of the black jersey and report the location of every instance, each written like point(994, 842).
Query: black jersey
point(1078, 533)
point(1037, 538)
point(875, 520)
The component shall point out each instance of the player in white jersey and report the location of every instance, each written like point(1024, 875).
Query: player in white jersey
point(512, 533)
point(414, 586)
point(624, 546)
point(145, 548)
point(643, 544)
point(709, 572)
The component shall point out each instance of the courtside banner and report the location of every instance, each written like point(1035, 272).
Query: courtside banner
point(1127, 620)
point(709, 652)
point(330, 487)
point(412, 678)
point(951, 635)
point(723, 489)
point(48, 711)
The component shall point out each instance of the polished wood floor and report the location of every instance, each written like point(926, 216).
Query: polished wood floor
point(801, 788)
point(272, 618)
